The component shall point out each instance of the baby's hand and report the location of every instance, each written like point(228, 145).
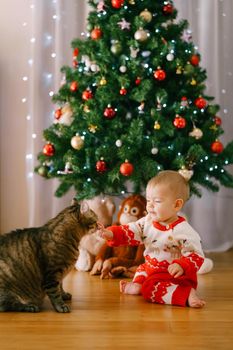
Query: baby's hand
point(175, 270)
point(104, 233)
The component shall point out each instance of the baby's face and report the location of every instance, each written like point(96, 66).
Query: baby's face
point(161, 204)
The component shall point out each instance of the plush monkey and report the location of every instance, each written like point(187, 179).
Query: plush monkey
point(111, 262)
point(131, 209)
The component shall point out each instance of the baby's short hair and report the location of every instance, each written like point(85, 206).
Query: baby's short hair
point(176, 182)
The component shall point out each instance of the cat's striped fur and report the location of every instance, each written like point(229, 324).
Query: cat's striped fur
point(34, 261)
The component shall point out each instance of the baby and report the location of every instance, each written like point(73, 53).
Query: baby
point(173, 252)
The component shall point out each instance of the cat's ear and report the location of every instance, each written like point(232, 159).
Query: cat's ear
point(74, 201)
point(84, 207)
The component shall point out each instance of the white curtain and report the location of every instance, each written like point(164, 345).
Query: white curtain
point(211, 22)
point(54, 24)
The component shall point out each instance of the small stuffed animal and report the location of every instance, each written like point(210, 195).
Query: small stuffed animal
point(112, 262)
point(90, 245)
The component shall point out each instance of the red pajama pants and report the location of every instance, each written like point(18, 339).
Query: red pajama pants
point(162, 288)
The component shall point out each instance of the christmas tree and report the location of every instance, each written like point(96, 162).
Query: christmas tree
point(133, 103)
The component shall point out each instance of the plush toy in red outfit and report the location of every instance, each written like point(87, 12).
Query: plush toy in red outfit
point(112, 262)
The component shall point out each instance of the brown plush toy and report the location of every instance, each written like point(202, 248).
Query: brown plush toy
point(112, 262)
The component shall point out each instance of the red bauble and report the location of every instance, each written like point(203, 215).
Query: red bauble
point(168, 9)
point(109, 112)
point(126, 168)
point(74, 86)
point(117, 3)
point(96, 33)
point(194, 60)
point(48, 149)
point(58, 113)
point(87, 95)
point(75, 52)
point(138, 81)
point(217, 147)
point(217, 120)
point(101, 166)
point(179, 122)
point(200, 102)
point(123, 91)
point(75, 63)
point(160, 74)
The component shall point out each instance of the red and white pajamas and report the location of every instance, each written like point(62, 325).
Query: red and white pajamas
point(175, 243)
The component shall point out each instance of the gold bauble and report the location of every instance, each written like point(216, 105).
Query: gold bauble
point(193, 82)
point(146, 15)
point(141, 35)
point(157, 126)
point(77, 142)
point(103, 81)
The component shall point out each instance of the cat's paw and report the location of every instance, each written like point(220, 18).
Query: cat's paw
point(62, 308)
point(66, 296)
point(30, 308)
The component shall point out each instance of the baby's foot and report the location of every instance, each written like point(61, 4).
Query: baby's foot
point(194, 300)
point(130, 287)
point(122, 286)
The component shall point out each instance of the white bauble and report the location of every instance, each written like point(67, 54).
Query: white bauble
point(123, 69)
point(170, 57)
point(154, 150)
point(118, 143)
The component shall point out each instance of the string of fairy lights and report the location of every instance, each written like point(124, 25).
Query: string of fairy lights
point(47, 77)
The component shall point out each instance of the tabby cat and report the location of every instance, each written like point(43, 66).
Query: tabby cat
point(34, 261)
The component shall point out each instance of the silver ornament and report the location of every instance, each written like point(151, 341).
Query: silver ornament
point(154, 150)
point(94, 67)
point(118, 143)
point(170, 57)
point(146, 53)
point(122, 69)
